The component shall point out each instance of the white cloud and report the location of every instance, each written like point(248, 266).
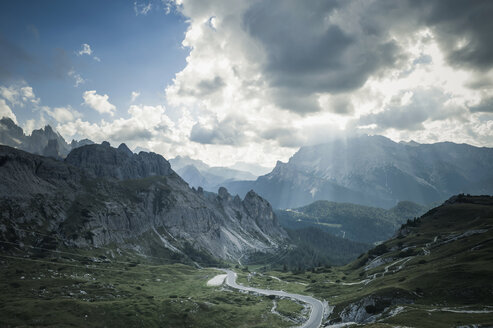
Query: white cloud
point(85, 50)
point(19, 94)
point(135, 95)
point(146, 126)
point(5, 111)
point(77, 78)
point(62, 114)
point(322, 74)
point(99, 103)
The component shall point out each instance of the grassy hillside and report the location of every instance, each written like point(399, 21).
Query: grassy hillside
point(91, 288)
point(350, 221)
point(435, 273)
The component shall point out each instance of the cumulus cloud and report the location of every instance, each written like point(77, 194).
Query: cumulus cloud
point(315, 52)
point(19, 94)
point(398, 68)
point(62, 114)
point(145, 126)
point(265, 77)
point(226, 132)
point(99, 103)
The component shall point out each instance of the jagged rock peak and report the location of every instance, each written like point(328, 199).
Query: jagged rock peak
point(105, 144)
point(255, 204)
point(123, 148)
point(7, 121)
point(252, 195)
point(223, 193)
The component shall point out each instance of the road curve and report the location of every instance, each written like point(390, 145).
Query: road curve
point(317, 308)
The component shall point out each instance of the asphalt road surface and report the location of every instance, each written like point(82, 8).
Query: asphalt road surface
point(317, 308)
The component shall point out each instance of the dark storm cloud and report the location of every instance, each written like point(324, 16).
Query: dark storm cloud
point(459, 22)
point(306, 54)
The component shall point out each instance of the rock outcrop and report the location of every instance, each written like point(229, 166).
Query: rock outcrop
point(118, 163)
point(106, 196)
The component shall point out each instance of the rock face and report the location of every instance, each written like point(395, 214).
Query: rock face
point(119, 163)
point(375, 171)
point(102, 195)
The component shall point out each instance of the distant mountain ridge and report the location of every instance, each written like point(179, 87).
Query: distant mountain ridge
point(199, 174)
point(44, 141)
point(375, 171)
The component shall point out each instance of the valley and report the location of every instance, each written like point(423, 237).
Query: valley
point(110, 238)
point(436, 269)
point(246, 164)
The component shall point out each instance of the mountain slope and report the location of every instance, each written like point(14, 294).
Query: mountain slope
point(437, 262)
point(355, 222)
point(374, 170)
point(435, 272)
point(106, 196)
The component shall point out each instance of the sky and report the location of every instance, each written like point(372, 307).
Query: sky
point(249, 81)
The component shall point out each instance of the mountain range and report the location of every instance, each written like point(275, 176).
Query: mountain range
point(44, 141)
point(199, 174)
point(374, 171)
point(101, 196)
point(48, 142)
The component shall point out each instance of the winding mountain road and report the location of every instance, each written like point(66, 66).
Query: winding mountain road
point(317, 307)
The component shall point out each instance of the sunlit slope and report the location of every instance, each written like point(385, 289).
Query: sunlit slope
point(375, 171)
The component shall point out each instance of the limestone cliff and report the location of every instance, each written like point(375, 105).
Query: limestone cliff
point(104, 196)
